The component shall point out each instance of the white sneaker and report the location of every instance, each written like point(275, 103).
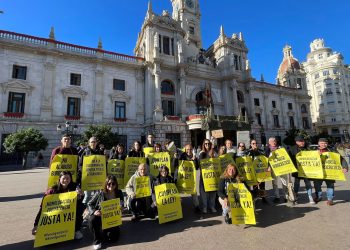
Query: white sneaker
point(98, 246)
point(78, 235)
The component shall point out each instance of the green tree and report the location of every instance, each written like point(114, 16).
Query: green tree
point(103, 133)
point(24, 141)
point(292, 133)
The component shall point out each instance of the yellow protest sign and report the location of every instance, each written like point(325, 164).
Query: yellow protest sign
point(211, 172)
point(148, 150)
point(143, 186)
point(245, 169)
point(332, 166)
point(159, 159)
point(57, 219)
point(131, 165)
point(111, 214)
point(241, 204)
point(62, 163)
point(186, 177)
point(93, 172)
point(281, 163)
point(260, 166)
point(309, 164)
point(168, 202)
point(226, 159)
point(116, 168)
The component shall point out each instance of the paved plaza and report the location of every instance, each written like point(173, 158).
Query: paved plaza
point(279, 226)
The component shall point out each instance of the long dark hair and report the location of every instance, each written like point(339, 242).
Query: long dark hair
point(113, 179)
point(58, 187)
point(133, 146)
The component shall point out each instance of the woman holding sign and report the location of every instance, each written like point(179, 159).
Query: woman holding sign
point(136, 150)
point(118, 153)
point(208, 198)
point(109, 192)
point(230, 175)
point(64, 185)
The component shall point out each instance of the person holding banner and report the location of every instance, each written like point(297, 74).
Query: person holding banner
point(272, 146)
point(253, 152)
point(109, 192)
point(322, 148)
point(241, 150)
point(208, 198)
point(293, 151)
point(136, 150)
point(118, 153)
point(229, 147)
point(230, 175)
point(163, 177)
point(143, 204)
point(64, 149)
point(64, 185)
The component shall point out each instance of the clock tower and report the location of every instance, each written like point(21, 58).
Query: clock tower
point(188, 13)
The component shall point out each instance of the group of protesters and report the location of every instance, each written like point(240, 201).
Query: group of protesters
point(204, 201)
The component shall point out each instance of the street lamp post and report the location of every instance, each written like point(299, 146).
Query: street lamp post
point(68, 129)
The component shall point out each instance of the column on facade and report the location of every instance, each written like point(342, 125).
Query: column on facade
point(48, 91)
point(149, 96)
point(158, 112)
point(298, 114)
point(227, 99)
point(266, 110)
point(234, 98)
point(98, 98)
point(183, 92)
point(283, 123)
point(140, 98)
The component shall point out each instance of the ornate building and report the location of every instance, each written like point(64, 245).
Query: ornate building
point(328, 82)
point(172, 87)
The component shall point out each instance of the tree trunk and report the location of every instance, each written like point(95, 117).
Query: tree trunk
point(24, 161)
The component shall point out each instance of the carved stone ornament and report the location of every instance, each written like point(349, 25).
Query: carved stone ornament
point(119, 96)
point(73, 91)
point(16, 86)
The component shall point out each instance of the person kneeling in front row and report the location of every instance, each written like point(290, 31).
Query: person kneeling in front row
point(109, 192)
point(230, 175)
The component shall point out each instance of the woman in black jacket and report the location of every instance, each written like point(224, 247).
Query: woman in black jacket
point(109, 192)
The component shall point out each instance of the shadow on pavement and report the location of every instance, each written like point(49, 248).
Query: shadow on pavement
point(17, 168)
point(22, 197)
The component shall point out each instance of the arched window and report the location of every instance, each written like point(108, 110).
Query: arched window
point(240, 97)
point(303, 109)
point(201, 102)
point(167, 88)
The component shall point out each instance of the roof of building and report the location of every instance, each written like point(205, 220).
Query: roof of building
point(289, 63)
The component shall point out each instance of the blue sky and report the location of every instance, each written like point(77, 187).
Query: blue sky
point(266, 25)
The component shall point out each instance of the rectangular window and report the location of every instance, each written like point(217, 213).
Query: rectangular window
point(75, 79)
point(120, 110)
point(305, 123)
point(73, 106)
point(172, 46)
point(119, 84)
point(166, 45)
point(291, 121)
point(160, 44)
point(19, 72)
point(276, 121)
point(168, 107)
point(274, 104)
point(191, 30)
point(325, 73)
point(317, 75)
point(236, 62)
point(299, 85)
point(256, 102)
point(290, 106)
point(258, 118)
point(16, 102)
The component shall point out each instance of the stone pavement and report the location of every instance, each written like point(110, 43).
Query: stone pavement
point(279, 226)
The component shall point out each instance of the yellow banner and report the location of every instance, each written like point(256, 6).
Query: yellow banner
point(225, 160)
point(332, 166)
point(309, 164)
point(57, 219)
point(93, 172)
point(246, 169)
point(186, 177)
point(62, 163)
point(241, 204)
point(131, 165)
point(281, 163)
point(143, 186)
point(168, 203)
point(148, 150)
point(116, 168)
point(111, 214)
point(211, 171)
point(158, 159)
point(261, 165)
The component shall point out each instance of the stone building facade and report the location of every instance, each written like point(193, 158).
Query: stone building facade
point(172, 87)
point(328, 82)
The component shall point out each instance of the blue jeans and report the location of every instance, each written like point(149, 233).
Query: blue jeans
point(308, 186)
point(330, 189)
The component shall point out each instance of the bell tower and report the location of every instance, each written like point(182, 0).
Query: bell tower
point(188, 13)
